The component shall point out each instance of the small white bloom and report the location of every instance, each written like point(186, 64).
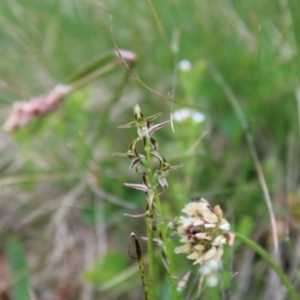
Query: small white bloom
point(198, 117)
point(212, 280)
point(182, 114)
point(184, 65)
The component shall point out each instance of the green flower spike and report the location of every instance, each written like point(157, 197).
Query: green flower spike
point(139, 118)
point(145, 126)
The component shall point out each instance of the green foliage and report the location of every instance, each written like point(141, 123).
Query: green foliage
point(106, 268)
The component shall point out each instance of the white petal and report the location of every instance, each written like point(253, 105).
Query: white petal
point(194, 255)
point(225, 226)
point(198, 222)
point(191, 209)
point(209, 255)
point(219, 241)
point(199, 248)
point(208, 225)
point(183, 249)
point(219, 253)
point(203, 236)
point(187, 223)
point(210, 217)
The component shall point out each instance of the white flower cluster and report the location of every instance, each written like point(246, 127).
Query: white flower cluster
point(204, 232)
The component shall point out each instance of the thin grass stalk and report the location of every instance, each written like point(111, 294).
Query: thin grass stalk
point(92, 76)
point(250, 140)
point(116, 95)
point(92, 66)
point(159, 25)
point(164, 97)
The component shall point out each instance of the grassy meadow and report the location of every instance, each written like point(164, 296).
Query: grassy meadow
point(228, 72)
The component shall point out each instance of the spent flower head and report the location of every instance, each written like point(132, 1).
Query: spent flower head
point(203, 231)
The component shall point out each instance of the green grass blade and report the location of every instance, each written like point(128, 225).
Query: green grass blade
point(266, 256)
point(92, 66)
point(18, 269)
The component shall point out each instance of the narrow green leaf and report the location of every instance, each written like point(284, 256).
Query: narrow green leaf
point(18, 269)
point(92, 66)
point(268, 259)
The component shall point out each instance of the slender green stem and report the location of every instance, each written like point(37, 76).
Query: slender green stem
point(266, 256)
point(152, 285)
point(162, 227)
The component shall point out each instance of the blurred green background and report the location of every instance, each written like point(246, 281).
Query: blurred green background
point(62, 195)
